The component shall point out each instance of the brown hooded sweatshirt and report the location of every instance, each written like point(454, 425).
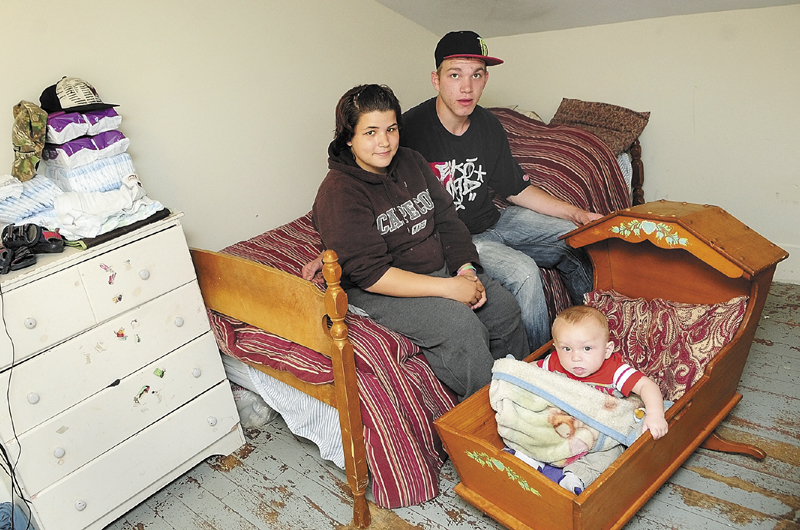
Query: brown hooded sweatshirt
point(404, 219)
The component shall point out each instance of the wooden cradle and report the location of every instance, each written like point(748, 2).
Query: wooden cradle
point(722, 259)
point(289, 307)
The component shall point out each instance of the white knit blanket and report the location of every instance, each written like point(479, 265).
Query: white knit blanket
point(555, 419)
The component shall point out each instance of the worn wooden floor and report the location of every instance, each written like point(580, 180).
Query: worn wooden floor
point(279, 482)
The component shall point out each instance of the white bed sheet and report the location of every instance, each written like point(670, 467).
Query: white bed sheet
point(305, 416)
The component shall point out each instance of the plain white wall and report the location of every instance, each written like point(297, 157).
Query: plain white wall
point(229, 106)
point(723, 92)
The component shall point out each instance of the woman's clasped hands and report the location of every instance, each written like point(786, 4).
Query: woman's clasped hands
point(469, 290)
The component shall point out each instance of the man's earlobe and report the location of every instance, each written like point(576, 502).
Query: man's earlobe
point(435, 80)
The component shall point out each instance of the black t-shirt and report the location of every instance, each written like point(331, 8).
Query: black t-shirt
point(466, 165)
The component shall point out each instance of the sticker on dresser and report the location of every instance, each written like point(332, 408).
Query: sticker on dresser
point(134, 274)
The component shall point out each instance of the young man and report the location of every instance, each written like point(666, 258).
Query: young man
point(467, 148)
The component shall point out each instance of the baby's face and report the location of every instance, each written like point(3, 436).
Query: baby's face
point(582, 347)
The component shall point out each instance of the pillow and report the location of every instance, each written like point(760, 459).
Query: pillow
point(671, 342)
point(528, 113)
point(616, 126)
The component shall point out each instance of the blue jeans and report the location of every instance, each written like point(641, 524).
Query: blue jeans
point(513, 250)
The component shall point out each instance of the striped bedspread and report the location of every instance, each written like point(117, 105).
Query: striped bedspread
point(569, 163)
point(400, 396)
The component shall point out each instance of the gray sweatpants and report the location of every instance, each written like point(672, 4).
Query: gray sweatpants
point(460, 344)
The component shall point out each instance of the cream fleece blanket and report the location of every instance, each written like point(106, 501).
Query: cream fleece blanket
point(555, 419)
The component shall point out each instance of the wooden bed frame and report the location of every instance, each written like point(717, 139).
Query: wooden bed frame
point(723, 259)
point(297, 310)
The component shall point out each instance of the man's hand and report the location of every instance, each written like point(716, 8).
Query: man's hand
point(312, 268)
point(582, 217)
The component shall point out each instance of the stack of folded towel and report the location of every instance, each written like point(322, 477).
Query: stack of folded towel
point(86, 184)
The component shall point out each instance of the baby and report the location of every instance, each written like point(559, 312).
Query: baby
point(584, 353)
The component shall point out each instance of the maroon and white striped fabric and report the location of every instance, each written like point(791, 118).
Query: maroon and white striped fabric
point(400, 396)
point(569, 163)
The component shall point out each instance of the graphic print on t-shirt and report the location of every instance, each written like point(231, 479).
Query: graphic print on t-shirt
point(460, 180)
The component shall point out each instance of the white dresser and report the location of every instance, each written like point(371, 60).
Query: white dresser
point(111, 384)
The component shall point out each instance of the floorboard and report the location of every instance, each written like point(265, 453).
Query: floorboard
point(278, 481)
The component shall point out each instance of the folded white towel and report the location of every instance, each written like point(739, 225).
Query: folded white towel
point(82, 215)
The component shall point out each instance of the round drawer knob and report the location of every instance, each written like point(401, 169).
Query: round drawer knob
point(80, 505)
point(33, 398)
point(197, 372)
point(144, 274)
point(212, 420)
point(30, 323)
point(178, 322)
point(59, 452)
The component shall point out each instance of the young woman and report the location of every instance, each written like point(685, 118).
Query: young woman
point(407, 260)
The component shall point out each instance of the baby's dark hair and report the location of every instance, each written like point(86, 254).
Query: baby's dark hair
point(357, 101)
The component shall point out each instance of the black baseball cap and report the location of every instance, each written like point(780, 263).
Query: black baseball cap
point(463, 44)
point(72, 94)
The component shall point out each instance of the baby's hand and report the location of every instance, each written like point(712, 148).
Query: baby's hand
point(656, 424)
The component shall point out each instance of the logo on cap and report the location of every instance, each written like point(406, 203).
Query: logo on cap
point(484, 47)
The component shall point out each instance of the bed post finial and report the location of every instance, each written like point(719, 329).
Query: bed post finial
point(637, 180)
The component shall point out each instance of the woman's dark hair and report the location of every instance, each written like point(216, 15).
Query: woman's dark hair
point(357, 101)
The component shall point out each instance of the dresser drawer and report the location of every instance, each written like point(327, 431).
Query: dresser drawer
point(45, 312)
point(96, 488)
point(131, 275)
point(84, 432)
point(49, 383)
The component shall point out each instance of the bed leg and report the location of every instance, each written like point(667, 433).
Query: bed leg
point(715, 442)
point(361, 515)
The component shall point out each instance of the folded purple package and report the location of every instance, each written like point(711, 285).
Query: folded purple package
point(85, 150)
point(62, 128)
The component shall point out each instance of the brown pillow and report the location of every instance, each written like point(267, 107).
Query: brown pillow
point(616, 126)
